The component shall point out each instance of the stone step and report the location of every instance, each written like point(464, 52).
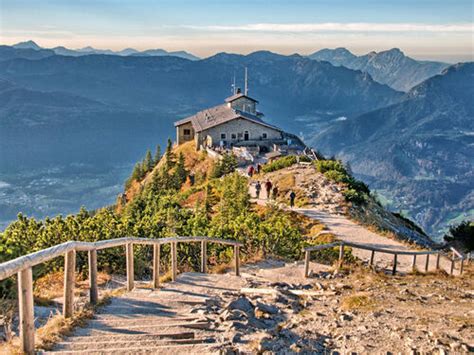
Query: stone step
point(128, 343)
point(140, 320)
point(106, 330)
point(212, 348)
point(160, 335)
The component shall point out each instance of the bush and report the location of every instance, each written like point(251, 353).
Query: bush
point(325, 165)
point(335, 176)
point(280, 163)
point(461, 236)
point(354, 196)
point(335, 171)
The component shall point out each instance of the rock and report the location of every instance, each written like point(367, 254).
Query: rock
point(243, 304)
point(270, 309)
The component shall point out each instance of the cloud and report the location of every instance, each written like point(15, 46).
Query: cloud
point(340, 27)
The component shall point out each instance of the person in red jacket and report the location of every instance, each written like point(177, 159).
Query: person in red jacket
point(268, 188)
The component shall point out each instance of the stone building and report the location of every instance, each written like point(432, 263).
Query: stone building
point(235, 123)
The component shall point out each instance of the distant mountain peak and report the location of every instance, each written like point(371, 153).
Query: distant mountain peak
point(27, 45)
point(391, 67)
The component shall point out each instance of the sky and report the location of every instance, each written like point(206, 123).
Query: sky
point(424, 29)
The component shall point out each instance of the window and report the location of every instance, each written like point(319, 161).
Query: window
point(233, 136)
point(187, 132)
point(264, 135)
point(223, 135)
point(240, 134)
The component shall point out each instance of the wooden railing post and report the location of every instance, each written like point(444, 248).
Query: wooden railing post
point(26, 310)
point(438, 257)
point(237, 260)
point(93, 291)
point(203, 256)
point(372, 256)
point(461, 269)
point(427, 264)
point(452, 265)
point(69, 281)
point(341, 254)
point(413, 265)
point(156, 265)
point(174, 261)
point(306, 263)
point(130, 267)
point(394, 270)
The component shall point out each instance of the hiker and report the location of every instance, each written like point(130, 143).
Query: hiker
point(275, 192)
point(259, 168)
point(268, 187)
point(251, 170)
point(292, 198)
point(258, 187)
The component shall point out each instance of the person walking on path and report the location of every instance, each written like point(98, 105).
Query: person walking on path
point(275, 192)
point(259, 168)
point(268, 187)
point(292, 198)
point(251, 170)
point(258, 187)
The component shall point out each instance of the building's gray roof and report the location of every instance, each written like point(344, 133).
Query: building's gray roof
point(218, 115)
point(238, 96)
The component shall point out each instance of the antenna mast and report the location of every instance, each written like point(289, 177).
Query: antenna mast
point(246, 82)
point(233, 85)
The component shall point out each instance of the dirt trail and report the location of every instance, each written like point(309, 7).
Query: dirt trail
point(349, 231)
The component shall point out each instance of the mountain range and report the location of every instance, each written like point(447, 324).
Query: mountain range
point(391, 67)
point(418, 152)
point(60, 50)
point(102, 111)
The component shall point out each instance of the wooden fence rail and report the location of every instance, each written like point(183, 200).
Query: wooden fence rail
point(395, 253)
point(22, 266)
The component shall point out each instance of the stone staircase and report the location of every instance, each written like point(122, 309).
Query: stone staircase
point(170, 320)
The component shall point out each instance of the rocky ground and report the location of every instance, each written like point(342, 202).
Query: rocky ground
point(360, 311)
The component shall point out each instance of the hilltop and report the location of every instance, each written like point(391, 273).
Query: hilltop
point(324, 185)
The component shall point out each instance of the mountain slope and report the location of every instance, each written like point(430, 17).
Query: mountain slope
point(285, 85)
point(115, 107)
point(391, 67)
point(8, 53)
point(418, 152)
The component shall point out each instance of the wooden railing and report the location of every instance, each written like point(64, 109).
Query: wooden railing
point(395, 253)
point(22, 266)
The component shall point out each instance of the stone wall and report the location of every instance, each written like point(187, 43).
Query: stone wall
point(244, 104)
point(181, 137)
point(235, 132)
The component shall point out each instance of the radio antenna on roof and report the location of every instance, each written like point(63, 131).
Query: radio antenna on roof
point(232, 85)
point(246, 91)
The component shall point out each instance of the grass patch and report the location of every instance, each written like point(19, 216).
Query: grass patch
point(358, 301)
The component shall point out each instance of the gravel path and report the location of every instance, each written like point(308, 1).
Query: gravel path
point(349, 231)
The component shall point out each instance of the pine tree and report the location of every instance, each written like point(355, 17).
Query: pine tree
point(180, 172)
point(137, 173)
point(148, 162)
point(157, 157)
point(169, 155)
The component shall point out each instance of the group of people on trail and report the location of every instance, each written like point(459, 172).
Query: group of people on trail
point(272, 192)
point(251, 170)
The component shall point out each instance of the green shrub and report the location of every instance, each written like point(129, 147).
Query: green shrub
point(280, 163)
point(336, 176)
point(352, 195)
point(461, 236)
point(325, 165)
